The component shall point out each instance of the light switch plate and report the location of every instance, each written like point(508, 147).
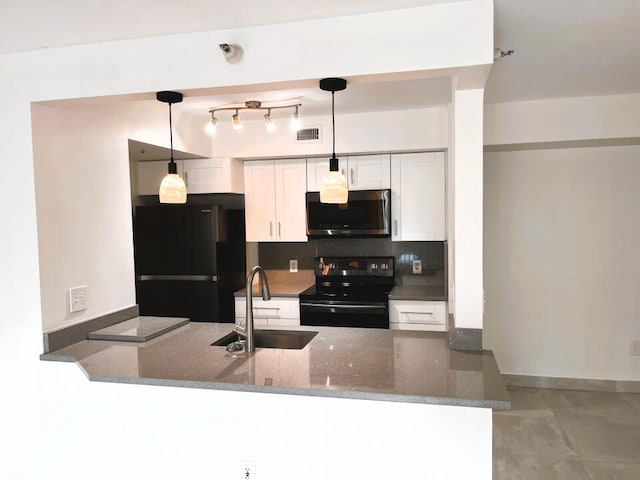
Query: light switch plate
point(417, 266)
point(635, 347)
point(293, 266)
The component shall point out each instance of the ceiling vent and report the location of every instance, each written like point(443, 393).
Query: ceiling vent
point(309, 135)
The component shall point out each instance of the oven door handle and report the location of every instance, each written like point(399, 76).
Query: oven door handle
point(324, 306)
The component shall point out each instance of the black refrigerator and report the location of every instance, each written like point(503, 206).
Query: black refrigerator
point(189, 261)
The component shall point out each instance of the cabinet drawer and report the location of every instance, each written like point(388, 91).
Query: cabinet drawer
point(276, 308)
point(417, 315)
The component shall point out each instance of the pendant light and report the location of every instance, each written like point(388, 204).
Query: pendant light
point(172, 188)
point(334, 185)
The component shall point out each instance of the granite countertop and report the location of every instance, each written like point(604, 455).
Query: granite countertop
point(373, 364)
point(277, 290)
point(418, 292)
point(283, 283)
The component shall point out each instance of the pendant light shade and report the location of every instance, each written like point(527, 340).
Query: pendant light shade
point(334, 185)
point(334, 188)
point(172, 188)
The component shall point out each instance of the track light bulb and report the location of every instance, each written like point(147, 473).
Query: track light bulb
point(237, 125)
point(296, 124)
point(212, 125)
point(268, 122)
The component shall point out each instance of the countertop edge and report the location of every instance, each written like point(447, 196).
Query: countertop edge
point(307, 392)
point(432, 293)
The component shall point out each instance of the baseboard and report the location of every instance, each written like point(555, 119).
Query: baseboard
point(586, 384)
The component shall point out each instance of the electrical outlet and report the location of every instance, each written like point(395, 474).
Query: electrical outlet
point(635, 347)
point(293, 266)
point(417, 266)
point(248, 469)
point(78, 298)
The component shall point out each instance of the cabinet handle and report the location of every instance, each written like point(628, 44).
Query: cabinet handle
point(186, 179)
point(395, 227)
point(270, 229)
point(279, 230)
point(353, 176)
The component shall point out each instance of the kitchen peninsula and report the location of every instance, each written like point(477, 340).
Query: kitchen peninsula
point(368, 364)
point(403, 396)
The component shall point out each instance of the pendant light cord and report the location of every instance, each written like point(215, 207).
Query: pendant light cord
point(333, 122)
point(171, 132)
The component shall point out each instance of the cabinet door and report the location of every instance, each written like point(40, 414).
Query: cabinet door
point(260, 210)
point(150, 175)
point(369, 172)
point(290, 187)
point(317, 168)
point(418, 196)
point(213, 175)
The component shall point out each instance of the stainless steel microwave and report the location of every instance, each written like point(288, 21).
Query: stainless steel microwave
point(366, 214)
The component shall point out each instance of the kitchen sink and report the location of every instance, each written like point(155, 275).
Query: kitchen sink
point(287, 339)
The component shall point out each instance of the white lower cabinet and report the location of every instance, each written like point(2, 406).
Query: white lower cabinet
point(279, 311)
point(418, 315)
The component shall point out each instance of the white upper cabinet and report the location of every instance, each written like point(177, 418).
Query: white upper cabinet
point(214, 175)
point(418, 196)
point(364, 172)
point(150, 175)
point(369, 172)
point(275, 201)
point(204, 175)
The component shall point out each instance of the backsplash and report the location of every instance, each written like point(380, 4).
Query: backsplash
point(276, 255)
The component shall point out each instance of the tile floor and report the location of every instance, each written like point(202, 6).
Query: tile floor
point(569, 435)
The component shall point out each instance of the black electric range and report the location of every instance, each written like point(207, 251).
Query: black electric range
point(349, 292)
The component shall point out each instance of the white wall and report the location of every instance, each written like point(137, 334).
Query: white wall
point(81, 167)
point(466, 283)
point(419, 129)
point(563, 119)
point(63, 426)
point(562, 264)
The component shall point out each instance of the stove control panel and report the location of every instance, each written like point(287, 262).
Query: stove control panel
point(354, 266)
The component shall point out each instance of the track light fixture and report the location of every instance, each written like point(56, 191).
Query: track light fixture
point(254, 105)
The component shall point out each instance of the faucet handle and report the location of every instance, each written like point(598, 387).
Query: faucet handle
point(240, 331)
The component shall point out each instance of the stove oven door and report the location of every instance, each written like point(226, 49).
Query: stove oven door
point(332, 313)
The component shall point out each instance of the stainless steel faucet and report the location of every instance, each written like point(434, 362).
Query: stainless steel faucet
point(248, 331)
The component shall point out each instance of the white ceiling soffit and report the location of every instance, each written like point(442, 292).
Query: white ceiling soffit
point(33, 24)
point(145, 152)
point(567, 48)
point(357, 98)
point(564, 48)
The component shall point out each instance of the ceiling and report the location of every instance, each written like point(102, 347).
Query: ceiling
point(561, 48)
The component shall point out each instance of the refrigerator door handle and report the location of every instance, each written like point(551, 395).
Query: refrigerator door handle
point(179, 278)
